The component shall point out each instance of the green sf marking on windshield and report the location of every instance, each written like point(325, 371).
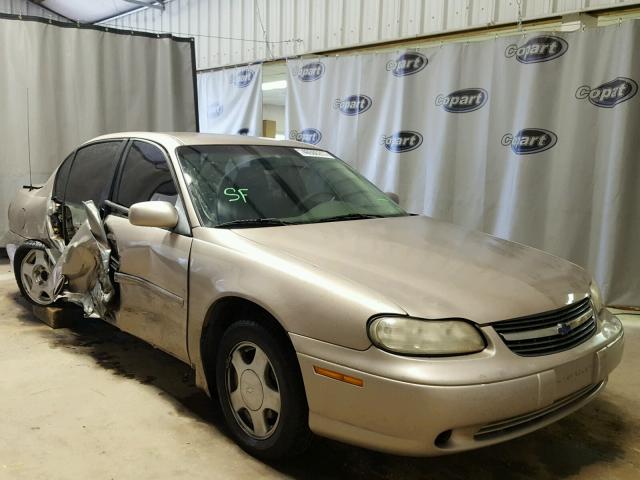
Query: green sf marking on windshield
point(237, 194)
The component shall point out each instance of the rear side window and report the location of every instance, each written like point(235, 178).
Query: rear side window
point(61, 178)
point(145, 176)
point(92, 173)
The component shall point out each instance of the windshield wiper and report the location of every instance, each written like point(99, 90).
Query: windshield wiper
point(349, 216)
point(254, 222)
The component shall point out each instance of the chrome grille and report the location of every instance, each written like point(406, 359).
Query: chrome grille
point(549, 332)
point(513, 424)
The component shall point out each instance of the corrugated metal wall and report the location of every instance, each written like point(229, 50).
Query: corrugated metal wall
point(22, 7)
point(230, 31)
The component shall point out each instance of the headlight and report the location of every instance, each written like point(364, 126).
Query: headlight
point(596, 297)
point(413, 336)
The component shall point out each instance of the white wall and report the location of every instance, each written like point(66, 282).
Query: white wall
point(229, 32)
point(276, 113)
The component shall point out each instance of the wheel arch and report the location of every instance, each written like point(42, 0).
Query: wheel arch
point(222, 313)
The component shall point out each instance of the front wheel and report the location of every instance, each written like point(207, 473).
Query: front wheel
point(261, 392)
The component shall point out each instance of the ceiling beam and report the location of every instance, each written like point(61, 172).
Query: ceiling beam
point(158, 4)
point(128, 12)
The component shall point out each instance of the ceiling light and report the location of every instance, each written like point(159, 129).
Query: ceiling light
point(277, 85)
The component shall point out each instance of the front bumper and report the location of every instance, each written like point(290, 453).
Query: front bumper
point(411, 415)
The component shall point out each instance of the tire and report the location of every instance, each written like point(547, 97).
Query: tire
point(33, 271)
point(257, 377)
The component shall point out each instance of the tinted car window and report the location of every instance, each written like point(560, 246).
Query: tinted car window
point(92, 173)
point(61, 178)
point(145, 176)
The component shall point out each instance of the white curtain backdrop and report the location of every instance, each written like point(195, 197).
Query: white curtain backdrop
point(532, 138)
point(81, 83)
point(230, 100)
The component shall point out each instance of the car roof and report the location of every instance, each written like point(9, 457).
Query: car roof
point(172, 139)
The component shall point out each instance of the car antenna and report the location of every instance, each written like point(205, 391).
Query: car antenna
point(30, 186)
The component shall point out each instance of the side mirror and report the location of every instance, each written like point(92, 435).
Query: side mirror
point(393, 196)
point(153, 214)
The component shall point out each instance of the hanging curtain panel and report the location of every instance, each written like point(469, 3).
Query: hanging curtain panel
point(231, 100)
point(532, 138)
point(61, 86)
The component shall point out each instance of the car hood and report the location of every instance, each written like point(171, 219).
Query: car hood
point(433, 269)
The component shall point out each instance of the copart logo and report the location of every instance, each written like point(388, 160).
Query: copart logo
point(243, 77)
point(402, 141)
point(353, 104)
point(462, 101)
point(215, 110)
point(407, 64)
point(310, 72)
point(307, 135)
point(530, 140)
point(609, 94)
point(538, 49)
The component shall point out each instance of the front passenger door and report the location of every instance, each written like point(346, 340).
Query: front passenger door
point(153, 262)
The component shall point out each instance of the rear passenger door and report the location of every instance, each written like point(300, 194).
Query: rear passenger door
point(87, 176)
point(153, 262)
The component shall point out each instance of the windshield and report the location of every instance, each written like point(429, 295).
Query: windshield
point(235, 185)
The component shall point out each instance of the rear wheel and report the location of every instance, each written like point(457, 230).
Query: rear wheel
point(261, 392)
point(33, 271)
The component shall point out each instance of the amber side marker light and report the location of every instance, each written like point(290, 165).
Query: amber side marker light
point(338, 376)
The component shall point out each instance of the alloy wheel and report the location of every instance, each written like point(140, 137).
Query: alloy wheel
point(35, 274)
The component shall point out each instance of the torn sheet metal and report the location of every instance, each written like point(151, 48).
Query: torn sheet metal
point(81, 273)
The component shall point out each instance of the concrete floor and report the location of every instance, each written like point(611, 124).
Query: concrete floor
point(93, 402)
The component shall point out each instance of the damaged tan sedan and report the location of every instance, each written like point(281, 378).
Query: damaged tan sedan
point(307, 300)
